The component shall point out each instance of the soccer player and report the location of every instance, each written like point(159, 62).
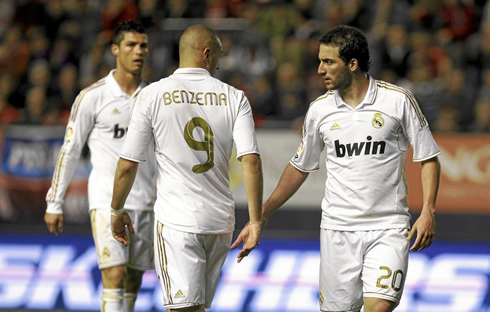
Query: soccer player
point(194, 120)
point(100, 116)
point(366, 126)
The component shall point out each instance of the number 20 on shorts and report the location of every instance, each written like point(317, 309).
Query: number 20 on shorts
point(394, 276)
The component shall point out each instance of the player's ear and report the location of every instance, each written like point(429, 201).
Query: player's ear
point(206, 54)
point(353, 64)
point(115, 49)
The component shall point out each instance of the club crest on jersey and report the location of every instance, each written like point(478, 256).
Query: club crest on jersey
point(378, 121)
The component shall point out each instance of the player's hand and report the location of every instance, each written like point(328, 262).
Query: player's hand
point(425, 227)
point(249, 236)
point(54, 222)
point(118, 227)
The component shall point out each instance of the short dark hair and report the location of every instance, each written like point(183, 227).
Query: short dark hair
point(352, 43)
point(127, 26)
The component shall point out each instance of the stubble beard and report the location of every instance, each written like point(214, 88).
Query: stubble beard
point(343, 80)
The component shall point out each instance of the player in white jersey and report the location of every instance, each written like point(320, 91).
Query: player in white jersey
point(100, 116)
point(194, 120)
point(366, 127)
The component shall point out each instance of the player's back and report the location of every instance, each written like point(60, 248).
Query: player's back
point(195, 119)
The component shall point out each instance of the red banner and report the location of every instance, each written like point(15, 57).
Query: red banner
point(465, 177)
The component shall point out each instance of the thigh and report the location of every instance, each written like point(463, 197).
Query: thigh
point(141, 242)
point(180, 261)
point(340, 271)
point(385, 264)
point(110, 252)
point(217, 249)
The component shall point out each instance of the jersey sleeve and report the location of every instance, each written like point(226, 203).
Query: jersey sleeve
point(140, 132)
point(307, 157)
point(81, 122)
point(417, 130)
point(244, 130)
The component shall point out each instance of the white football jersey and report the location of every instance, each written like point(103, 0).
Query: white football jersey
point(100, 116)
point(194, 119)
point(366, 148)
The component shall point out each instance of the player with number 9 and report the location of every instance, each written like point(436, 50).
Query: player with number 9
point(194, 119)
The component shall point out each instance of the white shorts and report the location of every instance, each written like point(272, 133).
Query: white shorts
point(188, 265)
point(359, 264)
point(138, 255)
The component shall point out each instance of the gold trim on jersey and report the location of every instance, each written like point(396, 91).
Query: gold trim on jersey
point(93, 222)
point(79, 98)
point(56, 176)
point(375, 95)
point(162, 257)
point(329, 92)
point(409, 95)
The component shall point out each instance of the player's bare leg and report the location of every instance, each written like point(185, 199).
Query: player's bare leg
point(378, 305)
point(132, 285)
point(133, 280)
point(113, 292)
point(113, 277)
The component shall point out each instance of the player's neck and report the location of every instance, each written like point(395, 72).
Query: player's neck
point(127, 81)
point(356, 92)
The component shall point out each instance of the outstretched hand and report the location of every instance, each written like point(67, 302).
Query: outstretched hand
point(118, 227)
point(249, 236)
point(425, 227)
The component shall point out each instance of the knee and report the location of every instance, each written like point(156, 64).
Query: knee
point(114, 277)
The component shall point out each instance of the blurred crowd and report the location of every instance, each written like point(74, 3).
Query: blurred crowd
point(438, 49)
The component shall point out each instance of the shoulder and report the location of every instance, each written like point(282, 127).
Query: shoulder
point(325, 99)
point(234, 94)
point(161, 85)
point(322, 105)
point(94, 89)
point(154, 88)
point(393, 90)
point(89, 94)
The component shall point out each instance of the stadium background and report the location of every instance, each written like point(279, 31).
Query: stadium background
point(440, 50)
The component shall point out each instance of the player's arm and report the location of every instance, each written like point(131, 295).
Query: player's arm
point(425, 226)
point(416, 129)
point(254, 188)
point(134, 151)
point(123, 182)
point(289, 183)
point(80, 124)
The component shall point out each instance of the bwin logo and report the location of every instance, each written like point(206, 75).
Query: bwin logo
point(369, 148)
point(119, 132)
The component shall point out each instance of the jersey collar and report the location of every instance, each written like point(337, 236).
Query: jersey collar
point(369, 98)
point(116, 89)
point(191, 71)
